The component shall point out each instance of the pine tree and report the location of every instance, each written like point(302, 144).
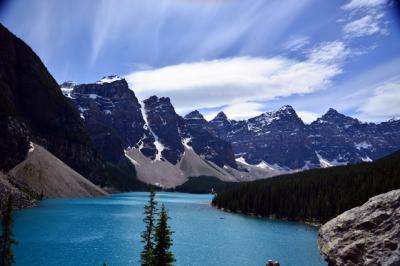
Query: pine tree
point(162, 254)
point(6, 241)
point(150, 210)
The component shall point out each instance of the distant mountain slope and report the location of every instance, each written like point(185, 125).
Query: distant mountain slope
point(314, 195)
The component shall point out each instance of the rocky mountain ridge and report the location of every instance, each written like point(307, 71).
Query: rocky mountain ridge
point(118, 124)
point(281, 139)
point(276, 141)
point(152, 126)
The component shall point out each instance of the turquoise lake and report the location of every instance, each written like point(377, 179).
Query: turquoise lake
point(89, 231)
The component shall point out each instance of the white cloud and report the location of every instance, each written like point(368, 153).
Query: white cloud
point(365, 26)
point(358, 4)
point(231, 81)
point(383, 104)
point(242, 111)
point(307, 116)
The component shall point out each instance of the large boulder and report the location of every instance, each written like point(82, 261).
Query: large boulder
point(365, 235)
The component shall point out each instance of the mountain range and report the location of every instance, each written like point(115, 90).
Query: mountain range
point(167, 148)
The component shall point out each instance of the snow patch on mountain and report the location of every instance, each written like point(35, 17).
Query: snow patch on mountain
point(324, 163)
point(185, 143)
point(366, 159)
point(159, 146)
point(362, 145)
point(109, 79)
point(262, 165)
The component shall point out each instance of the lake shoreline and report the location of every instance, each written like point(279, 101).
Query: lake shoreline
point(309, 223)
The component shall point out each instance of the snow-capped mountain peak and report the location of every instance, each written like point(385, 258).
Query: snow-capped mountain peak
point(109, 79)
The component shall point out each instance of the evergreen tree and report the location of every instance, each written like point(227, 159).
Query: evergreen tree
point(162, 255)
point(6, 241)
point(150, 210)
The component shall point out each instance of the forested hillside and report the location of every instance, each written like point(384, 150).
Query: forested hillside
point(316, 195)
point(204, 184)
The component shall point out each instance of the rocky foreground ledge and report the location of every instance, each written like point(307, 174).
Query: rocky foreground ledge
point(365, 235)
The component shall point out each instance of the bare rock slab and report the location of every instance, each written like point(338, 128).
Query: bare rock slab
point(365, 235)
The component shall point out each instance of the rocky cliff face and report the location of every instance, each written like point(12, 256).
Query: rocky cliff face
point(32, 108)
point(365, 235)
point(164, 124)
point(111, 114)
point(205, 143)
point(116, 121)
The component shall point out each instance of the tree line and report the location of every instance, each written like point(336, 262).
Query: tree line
point(316, 195)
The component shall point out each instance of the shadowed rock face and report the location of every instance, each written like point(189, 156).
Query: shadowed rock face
point(111, 114)
point(165, 123)
point(365, 235)
point(32, 108)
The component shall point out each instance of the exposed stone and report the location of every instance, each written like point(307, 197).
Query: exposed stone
point(365, 235)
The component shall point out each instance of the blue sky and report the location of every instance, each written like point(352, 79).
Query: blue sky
point(242, 57)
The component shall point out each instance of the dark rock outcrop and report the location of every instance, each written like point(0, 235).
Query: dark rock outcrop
point(365, 235)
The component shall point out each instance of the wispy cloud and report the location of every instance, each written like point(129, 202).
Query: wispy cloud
point(329, 53)
point(296, 43)
point(365, 26)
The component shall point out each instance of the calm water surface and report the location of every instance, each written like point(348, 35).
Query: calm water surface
point(90, 231)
